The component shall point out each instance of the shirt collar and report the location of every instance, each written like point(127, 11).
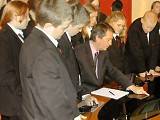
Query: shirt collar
point(115, 34)
point(69, 37)
point(17, 31)
point(54, 41)
point(92, 48)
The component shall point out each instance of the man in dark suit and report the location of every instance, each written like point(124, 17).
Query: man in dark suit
point(10, 44)
point(65, 44)
point(48, 92)
point(93, 74)
point(93, 70)
point(142, 45)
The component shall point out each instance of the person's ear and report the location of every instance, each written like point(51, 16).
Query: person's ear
point(48, 27)
point(97, 38)
point(142, 20)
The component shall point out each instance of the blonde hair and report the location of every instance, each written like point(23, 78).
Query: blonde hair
point(13, 7)
point(115, 16)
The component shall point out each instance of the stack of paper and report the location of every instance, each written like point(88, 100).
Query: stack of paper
point(110, 93)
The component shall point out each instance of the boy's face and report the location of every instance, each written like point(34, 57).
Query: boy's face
point(21, 22)
point(58, 31)
point(118, 26)
point(148, 26)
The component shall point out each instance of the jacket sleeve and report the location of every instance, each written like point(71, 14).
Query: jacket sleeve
point(116, 74)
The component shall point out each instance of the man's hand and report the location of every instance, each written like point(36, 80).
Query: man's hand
point(157, 69)
point(137, 90)
point(80, 117)
point(143, 74)
point(90, 100)
point(154, 73)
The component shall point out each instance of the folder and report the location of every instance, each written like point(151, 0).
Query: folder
point(110, 93)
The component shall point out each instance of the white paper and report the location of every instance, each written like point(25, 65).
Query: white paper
point(110, 93)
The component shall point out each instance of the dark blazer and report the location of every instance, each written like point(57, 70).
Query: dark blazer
point(142, 55)
point(116, 55)
point(48, 92)
point(10, 86)
point(77, 39)
point(88, 77)
point(30, 26)
point(69, 58)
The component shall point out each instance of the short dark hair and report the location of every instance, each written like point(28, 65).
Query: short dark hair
point(100, 30)
point(53, 11)
point(153, 4)
point(117, 5)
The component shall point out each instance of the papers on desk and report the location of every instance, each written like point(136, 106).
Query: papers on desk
point(111, 93)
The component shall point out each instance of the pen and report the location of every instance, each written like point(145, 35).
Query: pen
point(111, 93)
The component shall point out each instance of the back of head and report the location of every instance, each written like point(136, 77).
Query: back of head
point(100, 30)
point(115, 16)
point(117, 5)
point(53, 11)
point(149, 20)
point(150, 17)
point(17, 8)
point(81, 16)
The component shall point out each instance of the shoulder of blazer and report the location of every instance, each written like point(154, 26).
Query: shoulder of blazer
point(7, 31)
point(8, 35)
point(83, 48)
point(41, 38)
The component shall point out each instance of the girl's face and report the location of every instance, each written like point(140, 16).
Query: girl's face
point(118, 26)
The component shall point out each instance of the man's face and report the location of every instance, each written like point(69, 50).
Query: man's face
point(156, 8)
point(148, 26)
point(118, 26)
point(58, 31)
point(74, 29)
point(105, 42)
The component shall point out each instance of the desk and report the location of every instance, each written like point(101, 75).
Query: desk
point(155, 118)
point(94, 115)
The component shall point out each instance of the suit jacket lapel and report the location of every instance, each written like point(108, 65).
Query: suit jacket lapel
point(45, 39)
point(101, 58)
point(90, 59)
point(89, 55)
point(12, 34)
